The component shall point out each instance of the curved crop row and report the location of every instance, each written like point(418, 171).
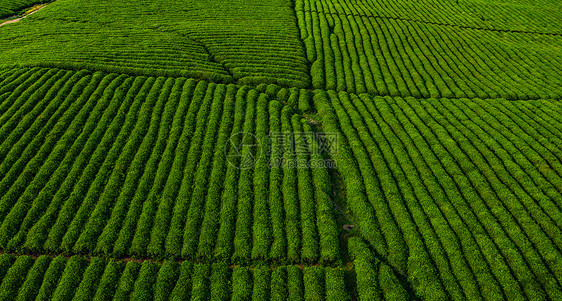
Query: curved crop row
point(229, 43)
point(376, 280)
point(359, 53)
point(161, 168)
point(472, 187)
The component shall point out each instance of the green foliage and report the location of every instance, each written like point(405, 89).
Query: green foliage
point(424, 49)
point(295, 283)
point(144, 285)
point(120, 165)
point(233, 42)
point(182, 288)
point(241, 284)
point(90, 280)
point(70, 279)
point(453, 192)
point(9, 8)
point(460, 188)
point(6, 261)
point(51, 279)
point(109, 281)
point(367, 270)
point(261, 283)
point(279, 288)
point(167, 277)
point(35, 277)
point(314, 283)
point(15, 277)
point(220, 280)
point(261, 230)
point(200, 289)
point(80, 278)
point(127, 281)
point(335, 285)
point(209, 168)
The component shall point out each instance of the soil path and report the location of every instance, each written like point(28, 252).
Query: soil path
point(27, 14)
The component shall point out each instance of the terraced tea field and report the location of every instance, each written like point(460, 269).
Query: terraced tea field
point(281, 150)
point(200, 39)
point(133, 165)
point(430, 171)
point(366, 47)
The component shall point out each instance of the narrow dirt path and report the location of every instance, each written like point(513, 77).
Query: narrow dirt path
point(30, 12)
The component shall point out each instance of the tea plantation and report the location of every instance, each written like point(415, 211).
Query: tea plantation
point(281, 150)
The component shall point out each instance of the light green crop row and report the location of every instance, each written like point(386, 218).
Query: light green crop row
point(109, 164)
point(462, 197)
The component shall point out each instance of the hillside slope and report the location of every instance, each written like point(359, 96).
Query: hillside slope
point(274, 150)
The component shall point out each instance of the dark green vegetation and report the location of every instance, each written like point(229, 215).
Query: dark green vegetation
point(220, 41)
point(9, 8)
point(78, 278)
point(120, 165)
point(455, 51)
point(463, 197)
point(538, 16)
point(282, 150)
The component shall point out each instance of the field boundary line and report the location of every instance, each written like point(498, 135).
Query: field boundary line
point(251, 265)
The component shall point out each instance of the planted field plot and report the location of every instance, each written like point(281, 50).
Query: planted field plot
point(520, 15)
point(376, 280)
point(220, 42)
point(462, 197)
point(387, 56)
point(77, 278)
point(143, 166)
point(281, 150)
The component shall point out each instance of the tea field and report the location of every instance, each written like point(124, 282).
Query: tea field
point(281, 150)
